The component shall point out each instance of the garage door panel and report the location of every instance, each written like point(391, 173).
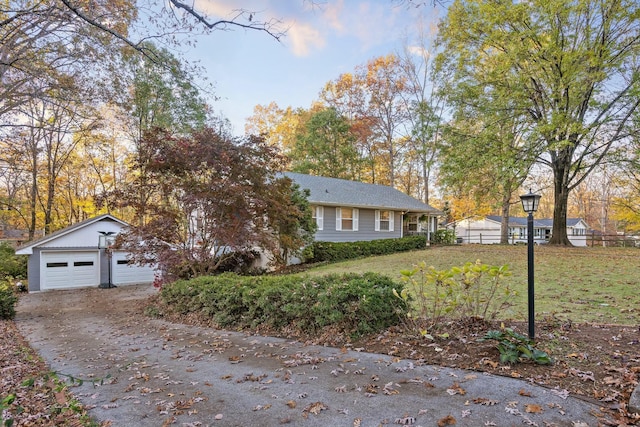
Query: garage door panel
point(125, 272)
point(72, 269)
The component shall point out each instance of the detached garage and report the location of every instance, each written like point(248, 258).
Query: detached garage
point(73, 257)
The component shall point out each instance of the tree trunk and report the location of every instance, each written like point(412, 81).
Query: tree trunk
point(34, 194)
point(504, 224)
point(561, 200)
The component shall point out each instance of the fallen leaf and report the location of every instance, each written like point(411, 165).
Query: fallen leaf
point(533, 409)
point(524, 393)
point(456, 389)
point(485, 402)
point(446, 421)
point(315, 408)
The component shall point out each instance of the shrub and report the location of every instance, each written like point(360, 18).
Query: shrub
point(8, 300)
point(353, 304)
point(11, 264)
point(340, 251)
point(443, 237)
point(473, 290)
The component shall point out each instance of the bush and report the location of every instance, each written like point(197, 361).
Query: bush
point(8, 300)
point(11, 264)
point(443, 237)
point(340, 251)
point(474, 290)
point(353, 304)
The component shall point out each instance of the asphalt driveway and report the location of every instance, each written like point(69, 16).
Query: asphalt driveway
point(156, 373)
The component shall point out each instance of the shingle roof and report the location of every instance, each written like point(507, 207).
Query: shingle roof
point(341, 192)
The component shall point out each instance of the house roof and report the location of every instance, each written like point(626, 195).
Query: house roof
point(540, 223)
point(340, 192)
point(26, 249)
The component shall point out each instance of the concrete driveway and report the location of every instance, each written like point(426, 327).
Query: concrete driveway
point(162, 373)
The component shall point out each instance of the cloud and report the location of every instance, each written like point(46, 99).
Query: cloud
point(419, 51)
point(303, 38)
point(333, 14)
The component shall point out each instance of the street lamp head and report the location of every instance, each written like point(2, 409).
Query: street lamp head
point(530, 202)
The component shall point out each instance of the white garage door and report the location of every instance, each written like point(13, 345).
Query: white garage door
point(60, 270)
point(125, 273)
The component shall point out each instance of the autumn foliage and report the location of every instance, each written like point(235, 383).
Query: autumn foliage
point(204, 199)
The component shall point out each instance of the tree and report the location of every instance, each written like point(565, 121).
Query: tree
point(372, 98)
point(426, 107)
point(327, 147)
point(217, 197)
point(486, 157)
point(569, 67)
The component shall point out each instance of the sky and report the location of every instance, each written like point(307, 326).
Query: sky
point(324, 39)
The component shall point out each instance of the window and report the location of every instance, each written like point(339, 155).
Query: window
point(57, 264)
point(384, 221)
point(318, 216)
point(346, 219)
point(412, 223)
point(82, 263)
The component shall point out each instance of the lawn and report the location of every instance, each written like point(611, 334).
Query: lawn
point(579, 284)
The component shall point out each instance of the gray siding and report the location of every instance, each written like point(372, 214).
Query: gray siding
point(366, 227)
point(33, 270)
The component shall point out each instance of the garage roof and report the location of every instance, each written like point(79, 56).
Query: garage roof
point(27, 249)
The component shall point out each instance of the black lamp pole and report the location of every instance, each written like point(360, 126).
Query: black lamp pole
point(530, 203)
point(530, 280)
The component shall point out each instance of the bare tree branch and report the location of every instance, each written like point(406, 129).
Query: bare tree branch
point(269, 27)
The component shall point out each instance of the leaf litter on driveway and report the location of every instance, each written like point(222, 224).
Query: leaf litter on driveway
point(163, 374)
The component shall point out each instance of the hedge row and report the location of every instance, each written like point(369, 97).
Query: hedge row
point(340, 251)
point(353, 304)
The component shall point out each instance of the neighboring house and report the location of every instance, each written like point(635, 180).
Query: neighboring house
point(14, 236)
point(71, 258)
point(347, 211)
point(487, 230)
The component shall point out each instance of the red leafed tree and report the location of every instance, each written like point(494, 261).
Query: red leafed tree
point(210, 198)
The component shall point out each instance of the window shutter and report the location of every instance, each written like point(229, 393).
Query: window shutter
point(377, 226)
point(391, 220)
point(355, 219)
point(320, 217)
point(338, 219)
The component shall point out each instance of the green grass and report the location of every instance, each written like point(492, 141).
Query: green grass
point(599, 285)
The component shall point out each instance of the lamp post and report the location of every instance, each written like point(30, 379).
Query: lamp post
point(105, 240)
point(530, 204)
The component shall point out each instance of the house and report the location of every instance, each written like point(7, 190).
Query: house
point(73, 258)
point(347, 211)
point(487, 230)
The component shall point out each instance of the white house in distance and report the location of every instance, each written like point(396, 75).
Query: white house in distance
point(349, 211)
point(487, 230)
point(72, 258)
